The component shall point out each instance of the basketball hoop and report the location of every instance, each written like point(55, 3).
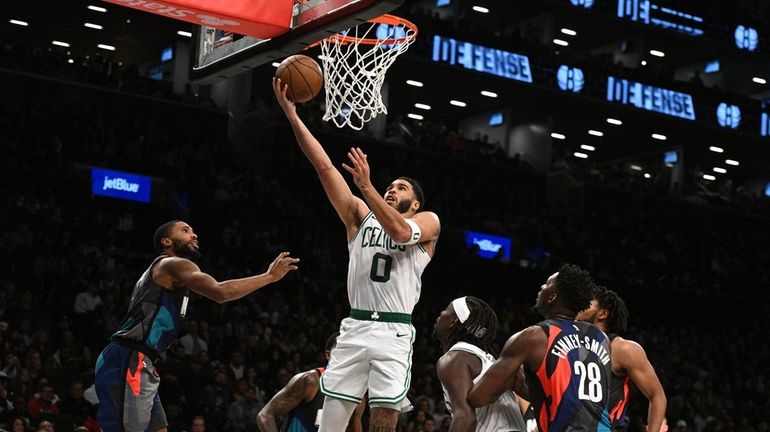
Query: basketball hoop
point(355, 62)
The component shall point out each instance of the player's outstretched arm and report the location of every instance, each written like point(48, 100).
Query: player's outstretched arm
point(301, 388)
point(178, 272)
point(391, 220)
point(455, 374)
point(630, 356)
point(503, 373)
point(349, 207)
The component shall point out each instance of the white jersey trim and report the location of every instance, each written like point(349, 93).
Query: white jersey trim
point(363, 221)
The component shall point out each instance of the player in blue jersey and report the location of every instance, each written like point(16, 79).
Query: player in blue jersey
point(126, 379)
point(566, 363)
point(300, 402)
point(629, 361)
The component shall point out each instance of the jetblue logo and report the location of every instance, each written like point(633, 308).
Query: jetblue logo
point(728, 116)
point(121, 185)
point(570, 79)
point(489, 245)
point(582, 3)
point(482, 59)
point(650, 98)
point(746, 38)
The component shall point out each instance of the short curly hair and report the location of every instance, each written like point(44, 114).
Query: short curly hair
point(417, 188)
point(163, 231)
point(575, 287)
point(617, 321)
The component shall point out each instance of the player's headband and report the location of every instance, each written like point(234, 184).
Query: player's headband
point(461, 309)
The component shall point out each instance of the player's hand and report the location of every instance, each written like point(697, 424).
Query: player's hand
point(282, 265)
point(279, 89)
point(359, 167)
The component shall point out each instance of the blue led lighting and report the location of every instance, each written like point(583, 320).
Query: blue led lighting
point(650, 98)
point(482, 59)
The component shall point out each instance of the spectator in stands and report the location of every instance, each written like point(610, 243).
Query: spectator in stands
point(85, 308)
point(43, 406)
point(198, 424)
point(219, 396)
point(242, 414)
point(22, 387)
point(235, 368)
point(12, 366)
point(45, 426)
point(75, 409)
point(19, 424)
point(4, 393)
point(192, 342)
point(34, 365)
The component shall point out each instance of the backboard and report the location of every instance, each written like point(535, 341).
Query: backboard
point(219, 54)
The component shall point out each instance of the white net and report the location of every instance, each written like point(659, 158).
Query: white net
point(355, 63)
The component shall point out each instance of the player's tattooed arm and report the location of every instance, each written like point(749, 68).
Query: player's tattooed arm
point(301, 388)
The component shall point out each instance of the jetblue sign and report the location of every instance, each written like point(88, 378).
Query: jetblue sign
point(489, 245)
point(650, 98)
point(116, 184)
point(570, 78)
point(728, 116)
point(482, 59)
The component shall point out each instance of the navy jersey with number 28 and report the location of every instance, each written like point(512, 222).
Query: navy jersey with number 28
point(570, 390)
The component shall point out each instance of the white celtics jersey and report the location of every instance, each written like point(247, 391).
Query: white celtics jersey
point(502, 415)
point(382, 275)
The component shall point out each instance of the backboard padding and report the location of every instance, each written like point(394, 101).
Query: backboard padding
point(216, 58)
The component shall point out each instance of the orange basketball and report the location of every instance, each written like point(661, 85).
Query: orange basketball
point(303, 76)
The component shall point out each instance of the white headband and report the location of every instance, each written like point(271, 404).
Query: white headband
point(461, 309)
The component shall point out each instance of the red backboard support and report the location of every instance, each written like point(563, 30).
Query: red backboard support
point(259, 18)
point(219, 55)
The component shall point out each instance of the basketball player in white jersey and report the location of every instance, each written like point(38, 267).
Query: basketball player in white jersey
point(390, 243)
point(466, 328)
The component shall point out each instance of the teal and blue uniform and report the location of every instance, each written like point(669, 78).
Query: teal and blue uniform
point(305, 418)
point(126, 379)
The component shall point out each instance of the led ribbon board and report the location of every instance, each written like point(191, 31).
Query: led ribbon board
point(121, 185)
point(488, 244)
point(646, 12)
point(650, 98)
point(482, 59)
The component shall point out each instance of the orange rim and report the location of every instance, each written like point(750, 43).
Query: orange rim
point(384, 19)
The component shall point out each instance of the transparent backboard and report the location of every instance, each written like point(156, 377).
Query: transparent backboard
point(220, 54)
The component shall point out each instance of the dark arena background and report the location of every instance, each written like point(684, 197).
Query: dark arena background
point(631, 137)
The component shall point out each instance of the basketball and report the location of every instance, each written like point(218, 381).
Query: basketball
point(303, 76)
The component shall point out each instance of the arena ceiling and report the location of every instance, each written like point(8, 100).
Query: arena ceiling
point(599, 33)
